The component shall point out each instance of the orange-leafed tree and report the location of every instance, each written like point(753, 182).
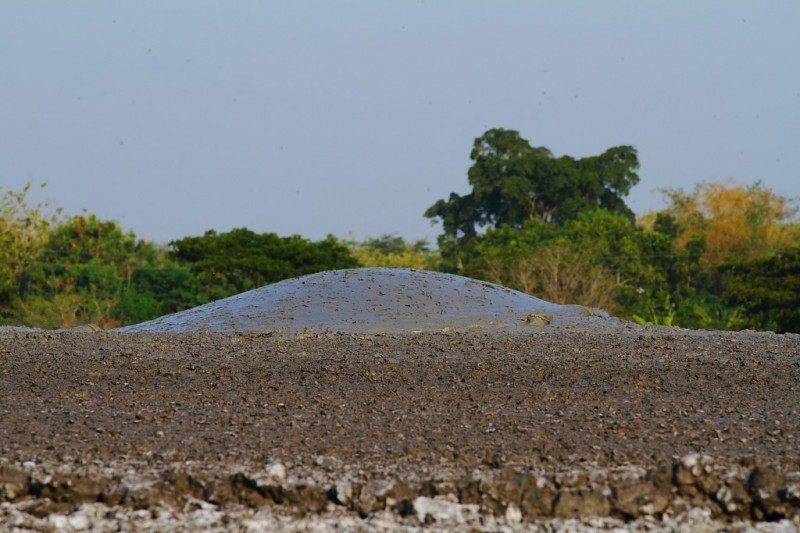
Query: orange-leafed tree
point(733, 222)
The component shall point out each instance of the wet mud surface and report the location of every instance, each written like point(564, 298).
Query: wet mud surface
point(379, 300)
point(421, 430)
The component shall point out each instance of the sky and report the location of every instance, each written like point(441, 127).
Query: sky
point(352, 117)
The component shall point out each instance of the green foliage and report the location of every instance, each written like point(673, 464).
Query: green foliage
point(586, 261)
point(506, 179)
point(392, 251)
point(59, 272)
point(601, 259)
point(240, 260)
point(390, 243)
point(722, 257)
point(52, 311)
point(458, 215)
point(611, 239)
point(158, 289)
point(768, 290)
point(23, 232)
point(87, 251)
point(665, 316)
point(513, 183)
point(698, 241)
point(84, 267)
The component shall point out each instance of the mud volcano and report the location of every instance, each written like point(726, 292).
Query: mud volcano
point(377, 300)
point(524, 420)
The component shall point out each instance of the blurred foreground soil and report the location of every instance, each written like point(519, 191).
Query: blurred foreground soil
point(482, 431)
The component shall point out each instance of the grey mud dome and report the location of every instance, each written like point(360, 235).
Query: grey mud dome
point(376, 300)
point(295, 408)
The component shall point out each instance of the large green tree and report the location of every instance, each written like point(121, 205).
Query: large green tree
point(513, 182)
point(240, 260)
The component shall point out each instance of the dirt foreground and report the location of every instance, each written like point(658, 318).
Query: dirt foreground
point(555, 429)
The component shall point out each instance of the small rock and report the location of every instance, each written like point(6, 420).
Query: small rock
point(734, 498)
point(276, 471)
point(693, 476)
point(78, 521)
point(444, 512)
point(398, 496)
point(536, 319)
point(343, 491)
point(58, 522)
point(498, 493)
point(767, 487)
point(638, 498)
point(513, 514)
point(582, 502)
point(13, 483)
point(538, 498)
point(373, 496)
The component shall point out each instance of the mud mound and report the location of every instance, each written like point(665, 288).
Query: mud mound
point(372, 300)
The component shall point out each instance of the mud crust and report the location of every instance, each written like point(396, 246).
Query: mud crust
point(552, 429)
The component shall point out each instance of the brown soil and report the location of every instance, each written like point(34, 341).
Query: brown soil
point(549, 424)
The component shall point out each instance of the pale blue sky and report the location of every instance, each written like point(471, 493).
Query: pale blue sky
point(352, 117)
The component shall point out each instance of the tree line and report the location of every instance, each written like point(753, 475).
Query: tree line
point(722, 256)
point(61, 271)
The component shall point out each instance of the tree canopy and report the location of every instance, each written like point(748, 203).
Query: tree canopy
point(392, 251)
point(241, 259)
point(721, 257)
point(513, 182)
point(729, 221)
point(769, 290)
point(23, 232)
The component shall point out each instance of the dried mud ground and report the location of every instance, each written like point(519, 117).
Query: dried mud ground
point(642, 429)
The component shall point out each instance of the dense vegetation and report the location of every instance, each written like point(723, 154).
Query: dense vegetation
point(722, 256)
